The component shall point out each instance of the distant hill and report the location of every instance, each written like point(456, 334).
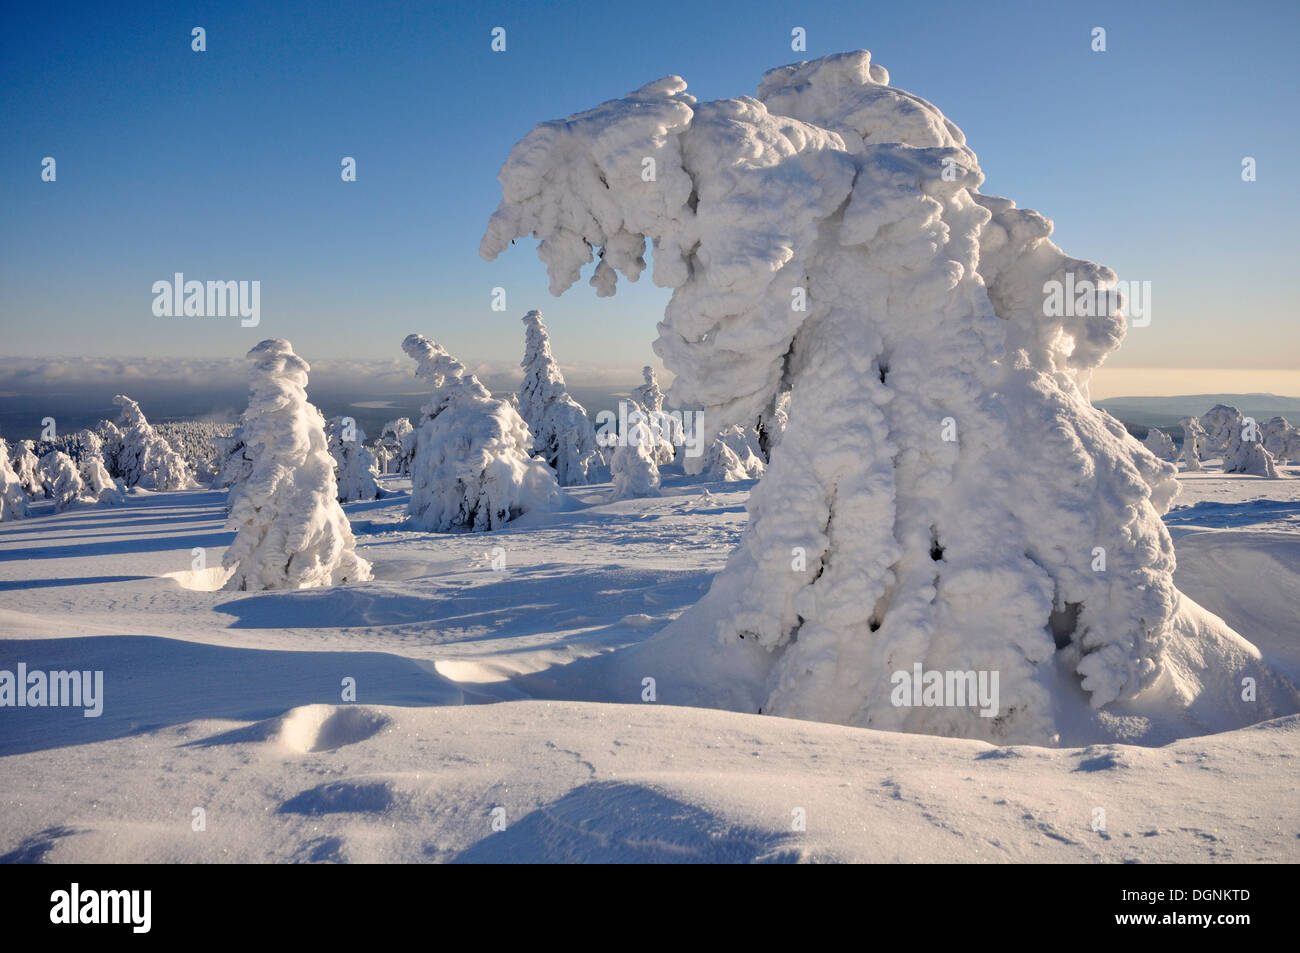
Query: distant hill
point(1141, 413)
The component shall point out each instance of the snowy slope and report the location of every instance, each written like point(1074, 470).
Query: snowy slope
point(231, 702)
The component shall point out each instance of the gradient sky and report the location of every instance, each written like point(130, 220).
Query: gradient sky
point(225, 164)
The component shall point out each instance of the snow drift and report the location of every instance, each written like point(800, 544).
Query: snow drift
point(942, 494)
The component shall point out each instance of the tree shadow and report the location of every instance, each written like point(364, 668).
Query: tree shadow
point(151, 683)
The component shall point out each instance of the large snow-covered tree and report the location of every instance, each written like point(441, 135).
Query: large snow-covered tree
point(1238, 438)
point(144, 458)
point(13, 497)
point(943, 494)
point(291, 532)
point(472, 468)
point(562, 433)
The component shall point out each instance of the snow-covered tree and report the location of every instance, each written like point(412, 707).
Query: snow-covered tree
point(633, 466)
point(27, 467)
point(562, 433)
point(472, 467)
point(291, 532)
point(233, 463)
point(1194, 443)
point(354, 465)
point(13, 498)
point(735, 455)
point(648, 395)
point(145, 458)
point(62, 481)
point(944, 492)
point(100, 487)
point(1281, 439)
point(397, 441)
point(1238, 437)
point(1161, 444)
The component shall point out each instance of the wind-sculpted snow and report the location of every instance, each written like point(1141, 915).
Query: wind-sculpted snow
point(942, 494)
point(472, 469)
point(291, 531)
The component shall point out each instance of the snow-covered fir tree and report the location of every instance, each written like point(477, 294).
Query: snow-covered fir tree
point(562, 433)
point(27, 466)
point(354, 465)
point(472, 468)
point(144, 458)
point(13, 498)
point(943, 493)
point(648, 394)
point(62, 481)
point(1161, 444)
point(633, 466)
point(1194, 443)
point(397, 440)
point(1237, 437)
point(735, 455)
point(1281, 439)
point(233, 463)
point(291, 532)
point(100, 486)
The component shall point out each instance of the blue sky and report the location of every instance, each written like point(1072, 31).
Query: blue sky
point(225, 164)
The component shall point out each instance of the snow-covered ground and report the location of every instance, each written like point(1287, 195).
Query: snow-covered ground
point(489, 725)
